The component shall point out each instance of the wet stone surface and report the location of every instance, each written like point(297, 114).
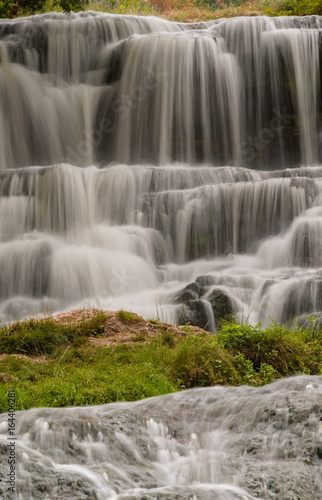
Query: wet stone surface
point(225, 443)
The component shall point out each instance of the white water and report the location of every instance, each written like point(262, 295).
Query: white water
point(135, 156)
point(138, 154)
point(220, 443)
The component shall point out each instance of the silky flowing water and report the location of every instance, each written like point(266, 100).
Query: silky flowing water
point(218, 443)
point(137, 155)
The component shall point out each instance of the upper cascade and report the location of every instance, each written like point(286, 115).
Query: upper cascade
point(138, 156)
point(128, 89)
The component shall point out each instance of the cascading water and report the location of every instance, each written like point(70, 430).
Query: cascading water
point(219, 443)
point(138, 154)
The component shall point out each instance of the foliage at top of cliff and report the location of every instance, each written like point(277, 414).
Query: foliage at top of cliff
point(174, 10)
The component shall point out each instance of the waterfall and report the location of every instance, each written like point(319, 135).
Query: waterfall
point(218, 443)
point(137, 155)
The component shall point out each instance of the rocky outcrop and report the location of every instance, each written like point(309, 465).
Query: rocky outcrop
point(221, 306)
point(196, 313)
point(203, 307)
point(190, 292)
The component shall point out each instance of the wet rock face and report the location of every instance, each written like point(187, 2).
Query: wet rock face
point(195, 313)
point(216, 443)
point(190, 292)
point(202, 307)
point(205, 281)
point(221, 306)
point(313, 320)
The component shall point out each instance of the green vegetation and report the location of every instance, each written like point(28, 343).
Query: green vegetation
point(126, 316)
point(292, 7)
point(204, 10)
point(174, 10)
point(73, 370)
point(36, 337)
point(5, 8)
point(29, 7)
point(71, 5)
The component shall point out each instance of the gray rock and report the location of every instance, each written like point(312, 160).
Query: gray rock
point(221, 306)
point(313, 320)
point(195, 313)
point(190, 292)
point(206, 280)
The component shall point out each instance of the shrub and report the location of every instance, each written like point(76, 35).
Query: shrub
point(33, 6)
point(293, 7)
point(219, 4)
point(201, 362)
point(72, 5)
point(5, 8)
point(283, 349)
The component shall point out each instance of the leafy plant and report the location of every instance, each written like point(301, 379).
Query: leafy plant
point(5, 8)
point(72, 5)
point(284, 349)
point(200, 361)
point(291, 7)
point(219, 4)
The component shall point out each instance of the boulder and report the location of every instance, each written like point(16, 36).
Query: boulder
point(221, 305)
point(190, 292)
point(195, 313)
point(205, 280)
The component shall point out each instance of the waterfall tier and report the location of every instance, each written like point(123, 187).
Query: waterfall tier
point(137, 154)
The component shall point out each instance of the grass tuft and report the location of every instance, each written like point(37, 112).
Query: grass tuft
point(129, 317)
point(201, 362)
point(36, 337)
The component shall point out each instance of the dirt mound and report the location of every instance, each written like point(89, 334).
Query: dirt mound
point(124, 327)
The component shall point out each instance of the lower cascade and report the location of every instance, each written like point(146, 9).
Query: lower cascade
point(219, 443)
point(138, 156)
